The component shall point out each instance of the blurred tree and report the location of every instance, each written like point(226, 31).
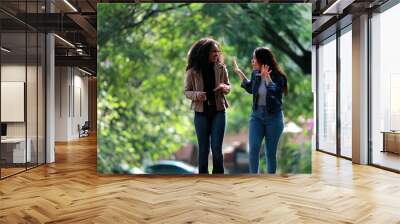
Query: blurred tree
point(285, 27)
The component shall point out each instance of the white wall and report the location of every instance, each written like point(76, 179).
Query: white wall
point(71, 94)
point(61, 103)
point(13, 72)
point(80, 110)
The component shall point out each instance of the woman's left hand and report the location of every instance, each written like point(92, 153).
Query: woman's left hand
point(266, 72)
point(222, 87)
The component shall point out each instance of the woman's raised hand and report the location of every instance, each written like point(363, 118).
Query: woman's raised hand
point(236, 68)
point(266, 72)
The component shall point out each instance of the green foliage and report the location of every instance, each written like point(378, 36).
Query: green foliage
point(291, 157)
point(142, 111)
point(294, 158)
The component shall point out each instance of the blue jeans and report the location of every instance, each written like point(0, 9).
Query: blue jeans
point(210, 128)
point(269, 126)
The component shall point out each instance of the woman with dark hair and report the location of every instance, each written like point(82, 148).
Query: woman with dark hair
point(206, 85)
point(267, 84)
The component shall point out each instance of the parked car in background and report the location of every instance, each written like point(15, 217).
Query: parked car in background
point(125, 169)
point(170, 167)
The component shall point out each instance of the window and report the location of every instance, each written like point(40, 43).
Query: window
point(346, 92)
point(327, 96)
point(385, 85)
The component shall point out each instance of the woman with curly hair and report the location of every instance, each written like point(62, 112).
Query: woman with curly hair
point(206, 85)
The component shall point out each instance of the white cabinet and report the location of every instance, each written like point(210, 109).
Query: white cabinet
point(18, 149)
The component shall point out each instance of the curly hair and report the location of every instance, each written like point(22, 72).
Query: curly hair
point(264, 56)
point(199, 53)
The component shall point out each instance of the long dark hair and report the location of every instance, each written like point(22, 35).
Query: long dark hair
point(264, 56)
point(199, 53)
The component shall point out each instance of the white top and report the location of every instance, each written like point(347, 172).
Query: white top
point(262, 92)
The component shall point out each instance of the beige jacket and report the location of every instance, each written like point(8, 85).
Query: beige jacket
point(194, 85)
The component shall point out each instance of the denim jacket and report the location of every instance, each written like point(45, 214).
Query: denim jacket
point(274, 91)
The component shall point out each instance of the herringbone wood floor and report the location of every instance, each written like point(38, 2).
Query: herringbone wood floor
point(70, 191)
